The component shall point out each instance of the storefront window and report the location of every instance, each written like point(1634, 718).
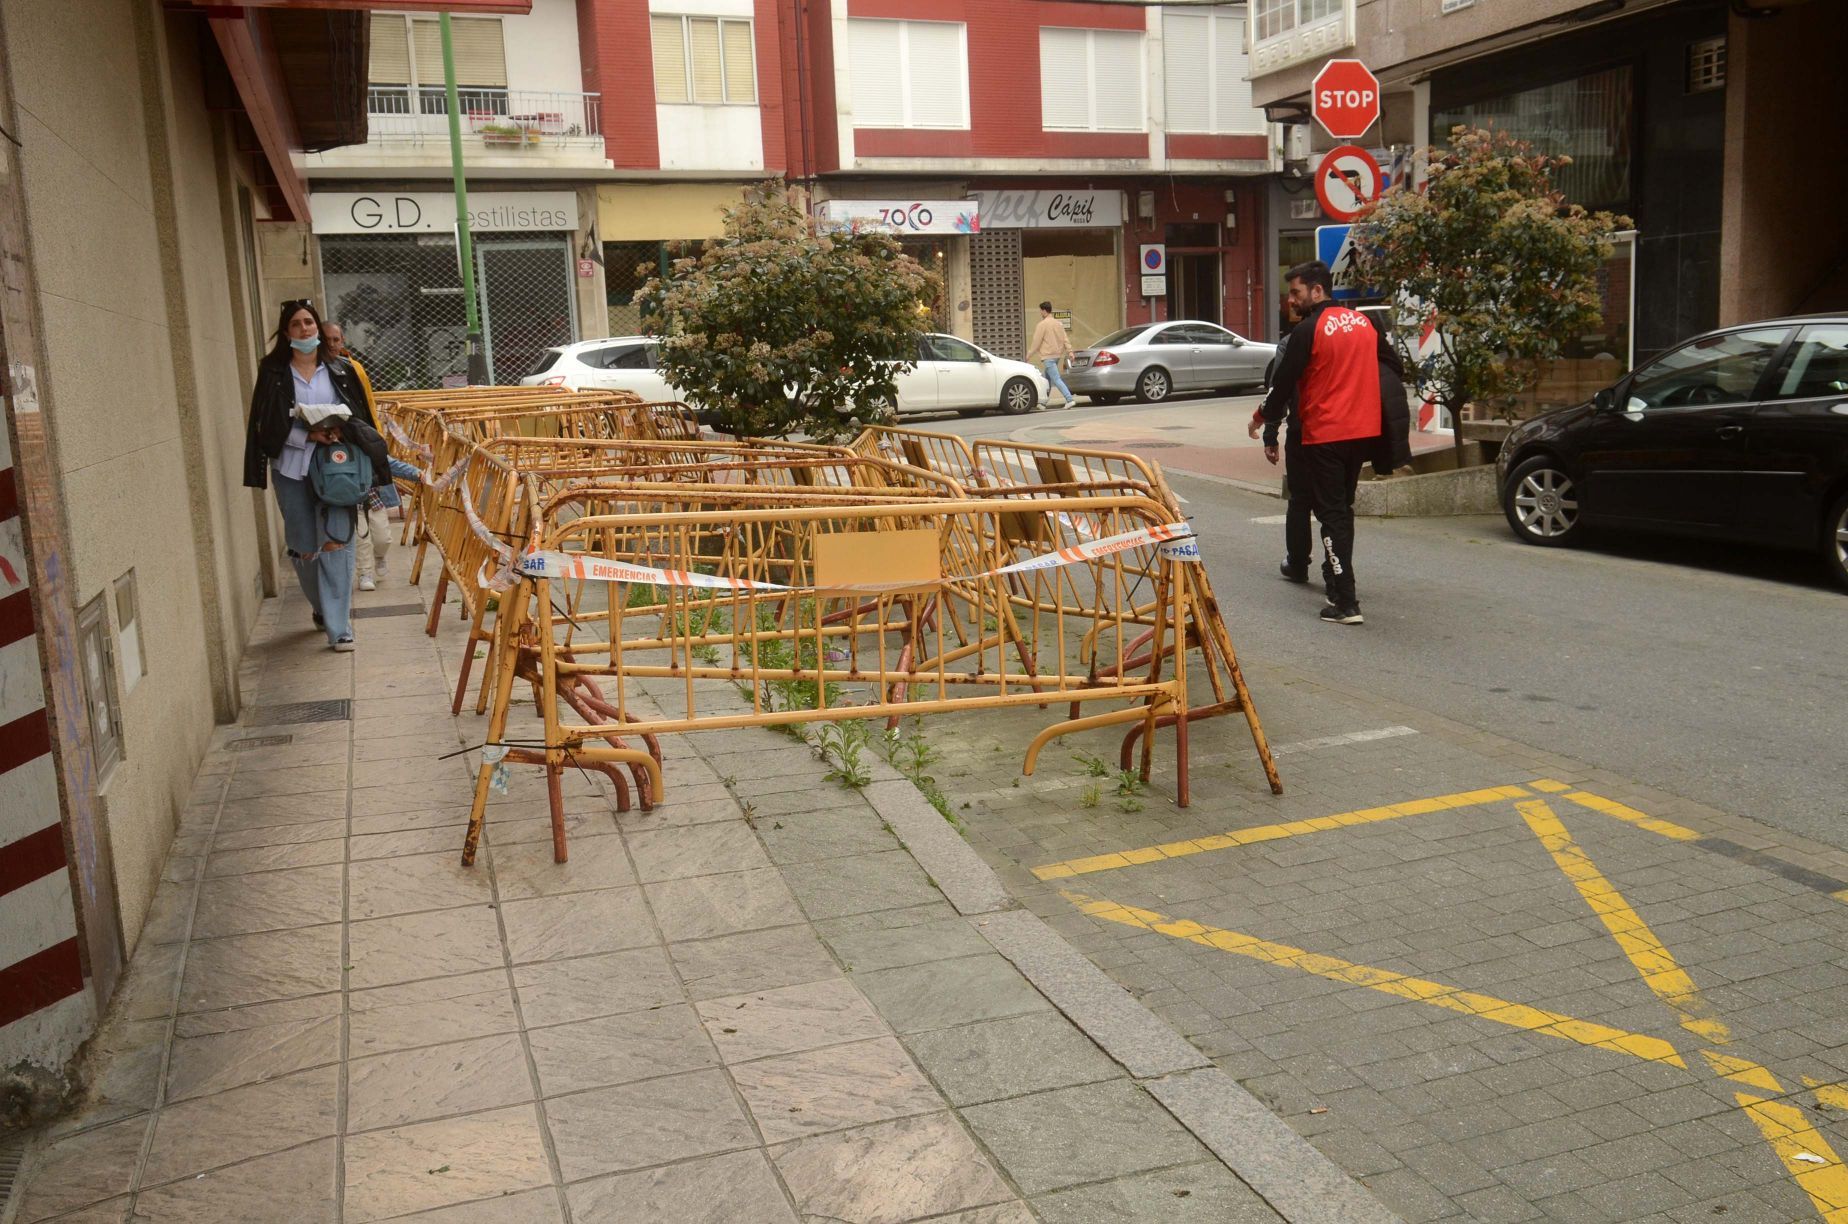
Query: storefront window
point(1076, 270)
point(1598, 356)
point(626, 268)
point(932, 253)
point(1587, 118)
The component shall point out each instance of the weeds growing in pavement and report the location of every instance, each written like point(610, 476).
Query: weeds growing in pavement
point(1094, 766)
point(845, 743)
point(1129, 783)
point(1088, 797)
point(909, 753)
point(1129, 803)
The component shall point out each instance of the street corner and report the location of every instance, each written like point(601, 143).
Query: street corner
point(1517, 990)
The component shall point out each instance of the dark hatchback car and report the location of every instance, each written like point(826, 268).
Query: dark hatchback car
point(1740, 434)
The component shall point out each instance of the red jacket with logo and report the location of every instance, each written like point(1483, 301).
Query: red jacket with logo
point(1331, 364)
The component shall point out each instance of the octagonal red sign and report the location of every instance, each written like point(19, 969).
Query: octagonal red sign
point(1345, 98)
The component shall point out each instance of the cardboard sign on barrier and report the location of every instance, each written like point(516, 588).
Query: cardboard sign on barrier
point(882, 558)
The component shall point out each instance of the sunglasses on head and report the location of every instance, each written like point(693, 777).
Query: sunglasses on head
point(297, 303)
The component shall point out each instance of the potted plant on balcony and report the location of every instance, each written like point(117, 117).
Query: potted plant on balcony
point(502, 134)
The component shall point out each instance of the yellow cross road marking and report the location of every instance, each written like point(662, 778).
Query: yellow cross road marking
point(1549, 786)
point(1800, 1147)
point(1469, 1003)
point(1263, 833)
point(1653, 962)
point(1833, 1096)
point(1610, 807)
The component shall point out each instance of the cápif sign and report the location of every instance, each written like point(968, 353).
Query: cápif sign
point(1345, 98)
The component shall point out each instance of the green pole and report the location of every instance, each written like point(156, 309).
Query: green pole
point(465, 246)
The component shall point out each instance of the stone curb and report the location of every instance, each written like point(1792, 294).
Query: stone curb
point(1298, 1181)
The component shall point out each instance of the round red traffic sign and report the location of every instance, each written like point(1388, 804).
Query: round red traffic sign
point(1346, 180)
point(1345, 98)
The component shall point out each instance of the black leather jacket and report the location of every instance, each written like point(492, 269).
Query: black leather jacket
point(272, 412)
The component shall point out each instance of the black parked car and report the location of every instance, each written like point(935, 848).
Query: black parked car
point(1740, 434)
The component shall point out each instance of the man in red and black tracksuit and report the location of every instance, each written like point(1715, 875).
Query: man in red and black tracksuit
point(1331, 366)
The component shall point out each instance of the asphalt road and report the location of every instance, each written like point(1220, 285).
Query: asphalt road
point(1710, 671)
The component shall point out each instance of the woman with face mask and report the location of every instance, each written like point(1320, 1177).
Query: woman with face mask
point(305, 398)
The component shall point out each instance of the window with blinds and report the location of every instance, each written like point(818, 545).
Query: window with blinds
point(1091, 80)
point(1204, 68)
point(407, 59)
point(908, 74)
point(708, 61)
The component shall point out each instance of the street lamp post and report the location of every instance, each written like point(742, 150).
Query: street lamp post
point(465, 246)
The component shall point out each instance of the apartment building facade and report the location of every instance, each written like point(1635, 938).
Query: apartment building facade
point(600, 133)
point(1698, 119)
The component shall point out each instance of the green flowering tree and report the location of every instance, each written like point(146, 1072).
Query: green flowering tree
point(1507, 264)
point(777, 327)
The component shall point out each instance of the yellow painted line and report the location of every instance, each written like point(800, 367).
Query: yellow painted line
point(1275, 832)
point(1652, 960)
point(1835, 1096)
point(1742, 1071)
point(1812, 1163)
point(1841, 896)
point(1642, 820)
point(1549, 786)
point(1469, 1003)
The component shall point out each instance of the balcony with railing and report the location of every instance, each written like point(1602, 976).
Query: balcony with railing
point(503, 120)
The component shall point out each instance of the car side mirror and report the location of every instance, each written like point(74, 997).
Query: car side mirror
point(984, 358)
point(1605, 400)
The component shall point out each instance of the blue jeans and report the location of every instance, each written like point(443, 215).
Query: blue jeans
point(1051, 366)
point(326, 576)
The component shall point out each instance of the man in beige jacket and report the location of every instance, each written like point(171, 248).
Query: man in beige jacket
point(1050, 348)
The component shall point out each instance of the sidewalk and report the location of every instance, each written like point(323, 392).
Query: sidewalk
point(752, 1004)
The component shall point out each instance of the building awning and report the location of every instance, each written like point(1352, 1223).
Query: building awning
point(297, 70)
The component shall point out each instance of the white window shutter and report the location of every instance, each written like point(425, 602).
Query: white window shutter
point(1118, 80)
point(878, 101)
point(1064, 80)
point(936, 73)
point(1186, 55)
point(1233, 112)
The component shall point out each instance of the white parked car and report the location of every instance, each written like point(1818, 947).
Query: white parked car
point(620, 363)
point(951, 375)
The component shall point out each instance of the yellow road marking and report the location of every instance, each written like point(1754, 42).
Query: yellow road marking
point(1549, 786)
point(1818, 1171)
point(1469, 1003)
point(1841, 896)
point(1835, 1096)
point(1642, 820)
point(1793, 1138)
point(1263, 833)
point(1653, 961)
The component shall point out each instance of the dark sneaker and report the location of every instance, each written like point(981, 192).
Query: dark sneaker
point(1293, 573)
point(320, 622)
point(1343, 616)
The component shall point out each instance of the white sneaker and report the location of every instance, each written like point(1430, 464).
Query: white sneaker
point(344, 645)
point(366, 584)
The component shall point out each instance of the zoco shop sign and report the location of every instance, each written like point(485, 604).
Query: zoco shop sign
point(434, 212)
point(1051, 209)
point(904, 216)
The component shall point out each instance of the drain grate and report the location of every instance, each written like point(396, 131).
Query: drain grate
point(258, 741)
point(300, 712)
point(410, 609)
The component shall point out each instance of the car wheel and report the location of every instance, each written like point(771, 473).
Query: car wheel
point(1018, 397)
point(1541, 501)
point(1154, 385)
point(1835, 540)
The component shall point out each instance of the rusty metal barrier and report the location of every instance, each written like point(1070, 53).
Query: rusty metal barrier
point(833, 606)
point(1033, 472)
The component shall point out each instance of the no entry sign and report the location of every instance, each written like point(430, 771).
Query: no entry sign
point(1347, 179)
point(1345, 98)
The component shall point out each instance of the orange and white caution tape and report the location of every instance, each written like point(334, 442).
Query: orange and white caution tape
point(1174, 541)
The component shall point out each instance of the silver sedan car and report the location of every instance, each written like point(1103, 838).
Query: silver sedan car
point(1152, 361)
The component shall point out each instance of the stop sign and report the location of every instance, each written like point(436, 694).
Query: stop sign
point(1345, 98)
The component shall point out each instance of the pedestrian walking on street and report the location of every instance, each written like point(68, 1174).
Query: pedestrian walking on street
point(374, 526)
point(1298, 540)
point(1330, 366)
point(1051, 346)
point(307, 401)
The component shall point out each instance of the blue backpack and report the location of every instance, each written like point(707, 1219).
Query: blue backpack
point(340, 473)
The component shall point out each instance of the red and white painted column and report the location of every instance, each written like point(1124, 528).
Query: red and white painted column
point(44, 1008)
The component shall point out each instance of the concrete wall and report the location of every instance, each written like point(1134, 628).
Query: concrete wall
point(125, 181)
point(1783, 247)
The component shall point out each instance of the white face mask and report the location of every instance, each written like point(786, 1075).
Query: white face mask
point(306, 346)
